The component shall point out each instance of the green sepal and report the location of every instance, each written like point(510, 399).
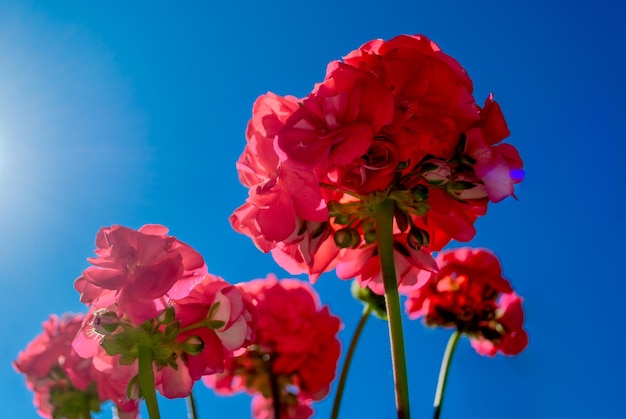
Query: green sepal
point(215, 324)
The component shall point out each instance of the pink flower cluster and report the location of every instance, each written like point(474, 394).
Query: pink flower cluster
point(147, 280)
point(295, 351)
point(395, 120)
point(145, 288)
point(66, 384)
point(470, 294)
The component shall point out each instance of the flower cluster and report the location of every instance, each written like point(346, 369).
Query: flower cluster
point(386, 161)
point(396, 120)
point(150, 289)
point(294, 355)
point(66, 384)
point(470, 294)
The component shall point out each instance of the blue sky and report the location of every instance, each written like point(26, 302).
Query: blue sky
point(135, 113)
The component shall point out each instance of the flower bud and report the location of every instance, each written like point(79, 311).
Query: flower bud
point(419, 192)
point(166, 315)
point(435, 172)
point(105, 322)
point(343, 219)
point(417, 238)
point(368, 297)
point(193, 345)
point(346, 238)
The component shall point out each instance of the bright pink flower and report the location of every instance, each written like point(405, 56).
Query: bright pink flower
point(296, 344)
point(278, 190)
point(470, 294)
point(139, 271)
point(395, 120)
point(191, 338)
point(65, 384)
point(222, 318)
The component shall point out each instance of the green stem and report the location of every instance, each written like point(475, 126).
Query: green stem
point(383, 217)
point(192, 412)
point(146, 380)
point(443, 372)
point(367, 310)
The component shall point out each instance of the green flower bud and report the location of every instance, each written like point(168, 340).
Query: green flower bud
point(343, 219)
point(193, 345)
point(435, 171)
point(167, 315)
point(346, 238)
point(418, 238)
point(105, 322)
point(368, 297)
point(420, 192)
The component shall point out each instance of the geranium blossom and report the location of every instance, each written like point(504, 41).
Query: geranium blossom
point(470, 294)
point(139, 271)
point(218, 319)
point(295, 349)
point(395, 120)
point(190, 338)
point(64, 383)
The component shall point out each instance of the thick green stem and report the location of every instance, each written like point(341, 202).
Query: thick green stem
point(146, 380)
point(192, 412)
point(443, 372)
point(383, 217)
point(367, 310)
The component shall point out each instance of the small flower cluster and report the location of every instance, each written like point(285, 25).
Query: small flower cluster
point(149, 291)
point(294, 355)
point(396, 120)
point(470, 294)
point(66, 384)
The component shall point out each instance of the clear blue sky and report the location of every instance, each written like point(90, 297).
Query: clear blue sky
point(134, 112)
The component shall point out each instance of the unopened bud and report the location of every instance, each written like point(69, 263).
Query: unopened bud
point(346, 237)
point(418, 238)
point(435, 172)
point(166, 315)
point(105, 322)
point(193, 345)
point(370, 237)
point(420, 192)
point(342, 219)
point(368, 297)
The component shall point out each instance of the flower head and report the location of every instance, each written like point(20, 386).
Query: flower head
point(139, 271)
point(295, 348)
point(395, 120)
point(66, 384)
point(470, 294)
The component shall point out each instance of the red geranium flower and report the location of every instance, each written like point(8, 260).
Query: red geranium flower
point(295, 349)
point(470, 294)
point(396, 120)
